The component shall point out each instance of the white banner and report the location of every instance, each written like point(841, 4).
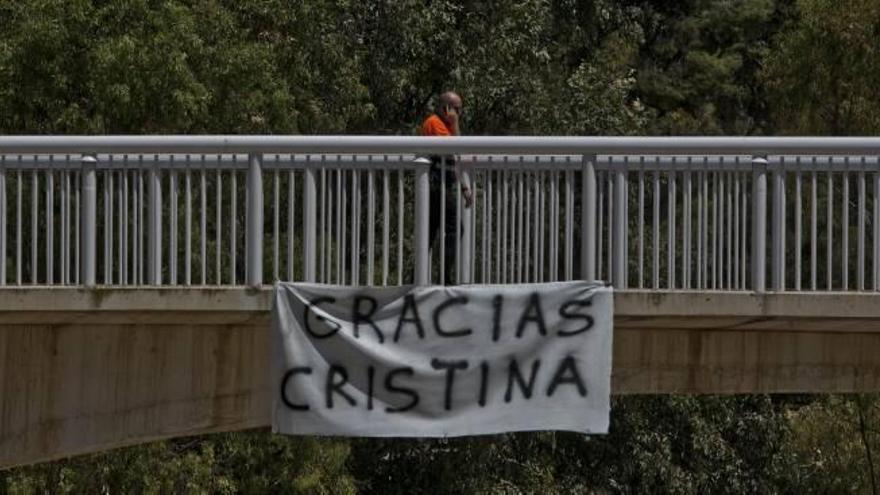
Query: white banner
point(441, 361)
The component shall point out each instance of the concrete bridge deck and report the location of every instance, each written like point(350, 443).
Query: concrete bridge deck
point(86, 370)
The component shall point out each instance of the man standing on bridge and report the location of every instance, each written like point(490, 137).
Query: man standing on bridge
point(445, 121)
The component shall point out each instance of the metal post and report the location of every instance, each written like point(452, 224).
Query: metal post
point(254, 227)
point(310, 224)
point(467, 235)
point(618, 254)
point(588, 219)
point(759, 223)
point(777, 261)
point(422, 214)
point(154, 227)
point(88, 220)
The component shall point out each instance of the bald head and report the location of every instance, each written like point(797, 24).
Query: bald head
point(450, 108)
point(450, 98)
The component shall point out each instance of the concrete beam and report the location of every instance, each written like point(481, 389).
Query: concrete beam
point(89, 370)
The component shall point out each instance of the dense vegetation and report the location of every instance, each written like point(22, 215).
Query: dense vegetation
point(736, 67)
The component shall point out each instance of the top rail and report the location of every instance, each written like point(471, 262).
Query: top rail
point(464, 144)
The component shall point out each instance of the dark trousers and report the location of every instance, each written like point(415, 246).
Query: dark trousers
point(449, 223)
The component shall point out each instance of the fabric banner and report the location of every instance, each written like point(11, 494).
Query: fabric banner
point(441, 361)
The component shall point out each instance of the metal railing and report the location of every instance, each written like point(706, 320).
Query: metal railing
point(653, 213)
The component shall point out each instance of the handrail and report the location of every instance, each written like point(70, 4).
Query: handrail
point(463, 144)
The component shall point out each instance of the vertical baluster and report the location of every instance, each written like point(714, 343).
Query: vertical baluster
point(759, 223)
point(276, 221)
point(343, 240)
point(876, 222)
point(569, 224)
point(441, 260)
point(133, 268)
point(254, 207)
point(218, 225)
point(707, 219)
point(777, 262)
point(829, 225)
point(172, 184)
point(50, 222)
point(814, 231)
point(513, 176)
point(554, 221)
point(701, 184)
point(797, 226)
point(610, 197)
point(123, 223)
point(686, 229)
point(78, 225)
point(484, 235)
point(108, 212)
point(728, 256)
point(422, 214)
point(35, 205)
point(670, 253)
point(203, 221)
point(715, 200)
point(505, 213)
point(538, 245)
point(386, 213)
point(155, 226)
point(328, 232)
point(844, 229)
point(860, 240)
point(233, 220)
point(371, 225)
point(744, 218)
point(291, 219)
point(309, 222)
point(722, 223)
point(340, 243)
point(472, 215)
point(458, 257)
point(617, 214)
point(400, 214)
point(641, 223)
point(736, 228)
point(527, 221)
point(18, 229)
point(65, 225)
point(655, 227)
point(322, 230)
point(497, 235)
point(187, 255)
point(2, 220)
point(88, 220)
point(356, 228)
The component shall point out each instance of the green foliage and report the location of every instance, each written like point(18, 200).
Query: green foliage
point(824, 70)
point(830, 443)
point(248, 462)
point(698, 69)
point(526, 67)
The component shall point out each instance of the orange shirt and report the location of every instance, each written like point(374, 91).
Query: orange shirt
point(434, 126)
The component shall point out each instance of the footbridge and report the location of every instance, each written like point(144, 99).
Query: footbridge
point(136, 271)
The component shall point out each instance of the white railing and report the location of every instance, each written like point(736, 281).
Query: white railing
point(653, 213)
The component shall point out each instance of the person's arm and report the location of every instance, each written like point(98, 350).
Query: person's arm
point(453, 118)
point(463, 176)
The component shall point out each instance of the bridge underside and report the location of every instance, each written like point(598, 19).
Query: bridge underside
point(88, 370)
